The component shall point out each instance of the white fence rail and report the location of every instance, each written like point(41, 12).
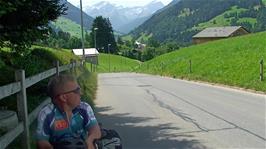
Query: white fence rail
point(9, 89)
point(19, 87)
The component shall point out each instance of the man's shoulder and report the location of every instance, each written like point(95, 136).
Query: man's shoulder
point(84, 105)
point(46, 110)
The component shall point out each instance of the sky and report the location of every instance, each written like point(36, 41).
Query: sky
point(128, 3)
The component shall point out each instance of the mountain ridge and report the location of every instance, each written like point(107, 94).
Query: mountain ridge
point(175, 23)
point(120, 15)
point(73, 13)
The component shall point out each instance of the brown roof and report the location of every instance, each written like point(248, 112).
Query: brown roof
point(217, 31)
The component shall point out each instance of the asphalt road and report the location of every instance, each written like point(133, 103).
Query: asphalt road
point(152, 112)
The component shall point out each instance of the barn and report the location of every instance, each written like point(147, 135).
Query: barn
point(216, 33)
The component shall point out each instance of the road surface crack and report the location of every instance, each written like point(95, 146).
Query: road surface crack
point(177, 113)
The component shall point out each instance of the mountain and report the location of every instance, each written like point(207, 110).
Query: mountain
point(133, 24)
point(121, 16)
point(173, 2)
point(183, 19)
point(73, 13)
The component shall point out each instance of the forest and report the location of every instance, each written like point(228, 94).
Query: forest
point(176, 22)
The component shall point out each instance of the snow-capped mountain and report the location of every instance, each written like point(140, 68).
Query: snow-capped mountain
point(120, 16)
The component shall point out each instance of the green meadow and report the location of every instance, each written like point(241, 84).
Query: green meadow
point(234, 61)
point(117, 63)
point(68, 26)
point(264, 2)
point(220, 20)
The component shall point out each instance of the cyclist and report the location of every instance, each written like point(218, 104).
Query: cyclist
point(66, 118)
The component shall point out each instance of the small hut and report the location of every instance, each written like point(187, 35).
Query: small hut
point(91, 54)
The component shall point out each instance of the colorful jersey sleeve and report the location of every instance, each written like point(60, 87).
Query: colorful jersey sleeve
point(43, 126)
point(88, 115)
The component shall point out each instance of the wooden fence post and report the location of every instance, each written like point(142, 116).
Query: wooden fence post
point(190, 70)
point(261, 70)
point(75, 66)
point(81, 64)
point(162, 65)
point(22, 108)
point(91, 64)
point(71, 66)
point(57, 68)
point(97, 63)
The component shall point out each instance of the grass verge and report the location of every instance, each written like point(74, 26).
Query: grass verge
point(117, 63)
point(233, 61)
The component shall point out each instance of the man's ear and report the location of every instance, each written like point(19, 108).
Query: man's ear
point(62, 98)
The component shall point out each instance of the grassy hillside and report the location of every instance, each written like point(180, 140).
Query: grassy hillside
point(117, 63)
point(220, 20)
point(38, 60)
point(144, 37)
point(264, 2)
point(127, 37)
point(233, 61)
point(69, 26)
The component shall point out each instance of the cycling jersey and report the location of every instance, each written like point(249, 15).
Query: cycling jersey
point(54, 126)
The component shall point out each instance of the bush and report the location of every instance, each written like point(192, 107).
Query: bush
point(88, 84)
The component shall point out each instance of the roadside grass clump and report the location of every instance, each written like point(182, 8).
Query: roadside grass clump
point(117, 63)
point(233, 61)
point(88, 84)
point(38, 60)
point(62, 55)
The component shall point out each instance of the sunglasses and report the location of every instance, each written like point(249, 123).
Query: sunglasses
point(76, 91)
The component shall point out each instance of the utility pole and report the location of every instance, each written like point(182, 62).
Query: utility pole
point(95, 45)
point(95, 31)
point(82, 35)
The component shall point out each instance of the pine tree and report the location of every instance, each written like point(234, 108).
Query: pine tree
point(103, 31)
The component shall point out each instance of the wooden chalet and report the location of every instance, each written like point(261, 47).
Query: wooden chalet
point(215, 33)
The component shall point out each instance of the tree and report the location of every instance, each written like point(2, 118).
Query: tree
point(148, 53)
point(22, 22)
point(119, 40)
point(172, 46)
point(214, 21)
point(104, 35)
point(74, 42)
point(153, 42)
point(64, 35)
point(261, 19)
point(87, 42)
